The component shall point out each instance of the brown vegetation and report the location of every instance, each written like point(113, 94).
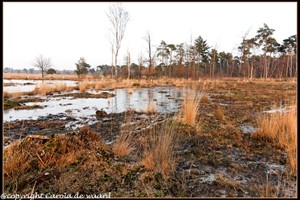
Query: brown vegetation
point(167, 159)
point(56, 153)
point(83, 85)
point(38, 76)
point(281, 128)
point(123, 145)
point(189, 109)
point(159, 152)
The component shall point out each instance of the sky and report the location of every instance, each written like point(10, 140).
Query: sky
point(64, 32)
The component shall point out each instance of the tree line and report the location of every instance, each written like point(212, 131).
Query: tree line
point(261, 56)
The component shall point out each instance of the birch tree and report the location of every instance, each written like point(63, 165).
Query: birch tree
point(118, 18)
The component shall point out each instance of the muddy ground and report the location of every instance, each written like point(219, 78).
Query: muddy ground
point(219, 157)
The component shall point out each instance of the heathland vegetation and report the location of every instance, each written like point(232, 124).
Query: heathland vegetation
point(233, 135)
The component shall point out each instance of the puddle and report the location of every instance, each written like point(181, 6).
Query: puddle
point(208, 179)
point(247, 129)
point(281, 110)
point(275, 110)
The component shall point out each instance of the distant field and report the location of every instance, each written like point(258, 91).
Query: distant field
point(90, 77)
point(39, 76)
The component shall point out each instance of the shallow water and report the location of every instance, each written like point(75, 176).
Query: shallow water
point(247, 128)
point(81, 108)
point(21, 85)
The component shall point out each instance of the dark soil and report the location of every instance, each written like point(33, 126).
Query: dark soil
point(88, 95)
point(18, 103)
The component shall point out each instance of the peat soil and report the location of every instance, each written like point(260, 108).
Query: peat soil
point(218, 157)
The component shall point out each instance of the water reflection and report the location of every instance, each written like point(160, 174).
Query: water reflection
point(30, 85)
point(139, 100)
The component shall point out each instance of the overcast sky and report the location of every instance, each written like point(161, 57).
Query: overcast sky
point(67, 31)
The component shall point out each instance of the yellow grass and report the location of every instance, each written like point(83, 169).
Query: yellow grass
point(281, 128)
point(130, 91)
point(16, 94)
point(83, 85)
point(190, 108)
point(204, 98)
point(99, 85)
point(159, 153)
point(44, 89)
point(39, 76)
point(60, 87)
point(163, 80)
point(58, 152)
point(123, 145)
point(219, 113)
point(69, 89)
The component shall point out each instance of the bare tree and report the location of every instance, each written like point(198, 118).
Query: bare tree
point(118, 18)
point(151, 70)
point(140, 61)
point(42, 63)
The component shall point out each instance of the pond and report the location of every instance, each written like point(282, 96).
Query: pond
point(162, 99)
point(30, 85)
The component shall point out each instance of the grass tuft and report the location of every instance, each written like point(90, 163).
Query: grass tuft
point(83, 85)
point(189, 109)
point(281, 128)
point(159, 153)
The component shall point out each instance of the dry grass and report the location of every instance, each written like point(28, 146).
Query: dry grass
point(69, 89)
point(22, 159)
point(189, 109)
point(280, 189)
point(281, 128)
point(43, 89)
point(83, 85)
point(130, 91)
point(39, 76)
point(249, 103)
point(16, 95)
point(100, 85)
point(223, 180)
point(159, 153)
point(6, 94)
point(125, 142)
point(219, 113)
point(123, 145)
point(204, 98)
point(60, 87)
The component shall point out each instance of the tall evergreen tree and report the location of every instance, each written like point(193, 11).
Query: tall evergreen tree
point(82, 67)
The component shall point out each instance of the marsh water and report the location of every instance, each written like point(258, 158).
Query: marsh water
point(30, 85)
point(161, 99)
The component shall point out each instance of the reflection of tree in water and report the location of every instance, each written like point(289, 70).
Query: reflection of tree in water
point(115, 102)
point(149, 97)
point(142, 100)
point(127, 100)
point(140, 97)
